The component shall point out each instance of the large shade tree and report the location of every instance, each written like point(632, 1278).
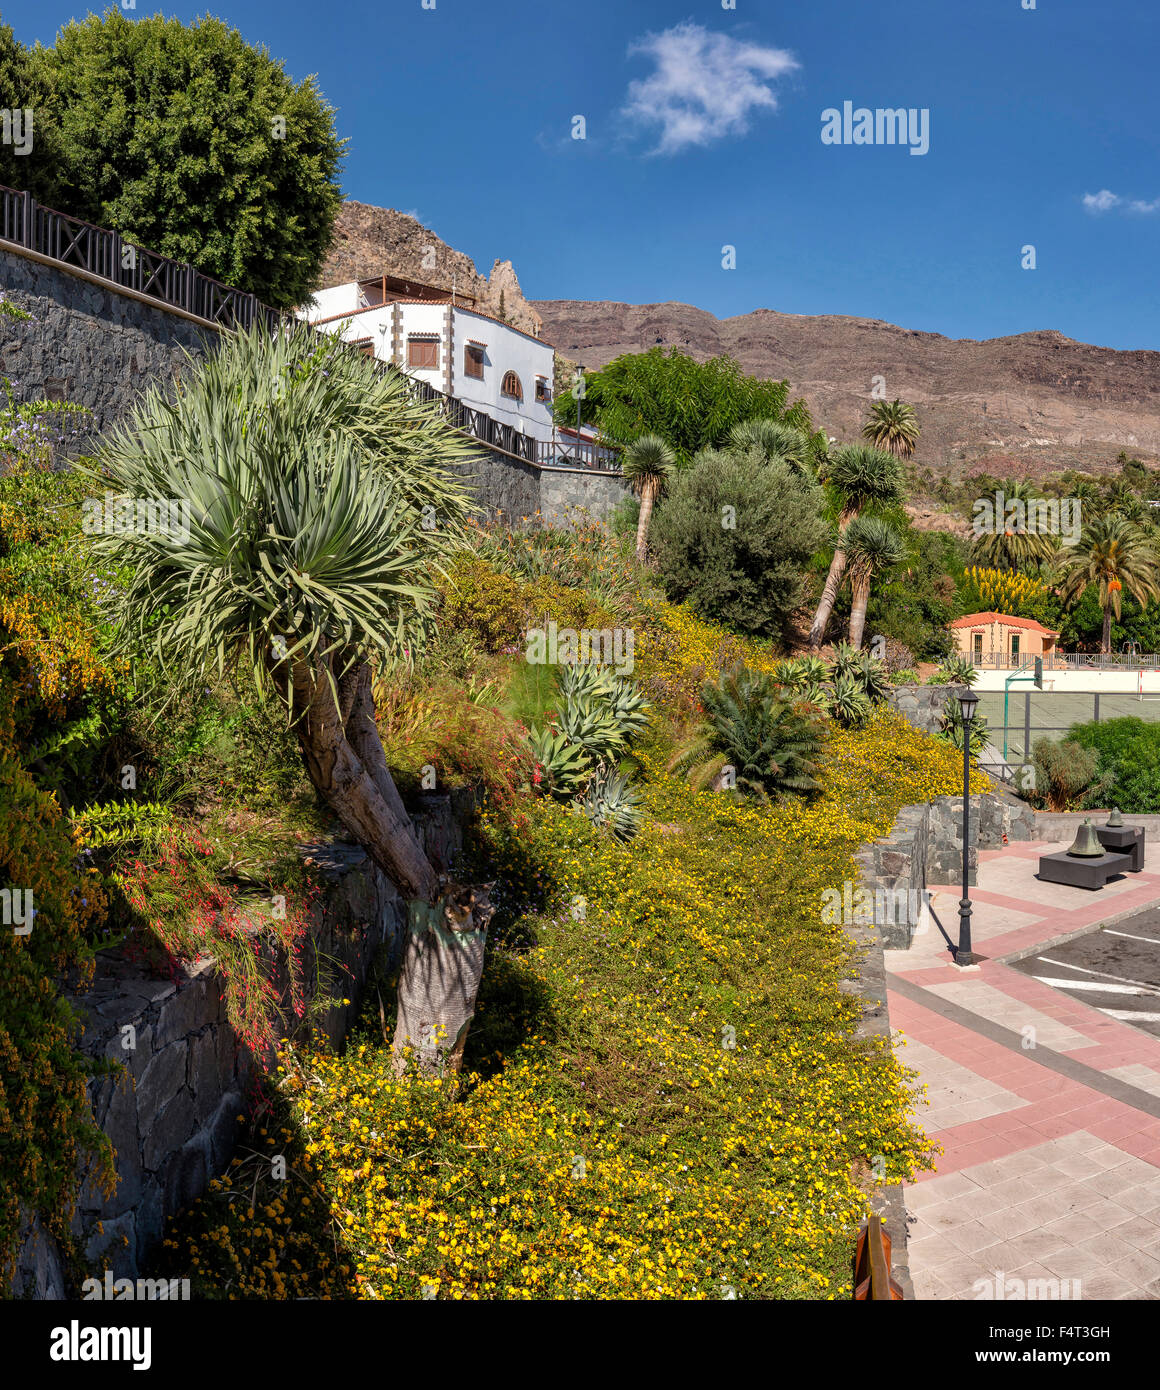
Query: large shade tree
point(1115, 555)
point(322, 496)
point(693, 405)
point(857, 477)
point(188, 141)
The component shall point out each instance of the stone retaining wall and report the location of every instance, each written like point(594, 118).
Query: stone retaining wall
point(93, 345)
point(173, 1114)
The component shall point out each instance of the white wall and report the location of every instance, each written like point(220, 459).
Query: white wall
point(506, 349)
point(339, 299)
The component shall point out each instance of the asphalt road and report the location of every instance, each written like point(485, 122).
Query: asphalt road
point(1115, 970)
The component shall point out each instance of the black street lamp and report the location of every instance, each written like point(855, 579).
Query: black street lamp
point(968, 701)
point(580, 394)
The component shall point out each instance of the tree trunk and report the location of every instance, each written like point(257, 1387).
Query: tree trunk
point(647, 497)
point(830, 592)
point(861, 596)
point(376, 818)
point(1106, 642)
point(446, 933)
point(442, 964)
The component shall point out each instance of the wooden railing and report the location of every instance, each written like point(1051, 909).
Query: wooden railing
point(872, 1279)
point(71, 241)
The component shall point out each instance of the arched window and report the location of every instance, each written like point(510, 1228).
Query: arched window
point(511, 386)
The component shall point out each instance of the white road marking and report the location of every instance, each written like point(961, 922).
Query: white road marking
point(1151, 940)
point(1087, 970)
point(1130, 1016)
point(1097, 985)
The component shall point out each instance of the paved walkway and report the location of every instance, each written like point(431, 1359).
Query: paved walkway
point(1048, 1109)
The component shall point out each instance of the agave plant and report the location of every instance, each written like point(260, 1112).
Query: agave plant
point(770, 744)
point(872, 676)
point(612, 803)
point(849, 704)
point(567, 767)
point(587, 722)
point(847, 661)
point(956, 670)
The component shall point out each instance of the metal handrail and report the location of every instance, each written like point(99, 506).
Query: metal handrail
point(71, 241)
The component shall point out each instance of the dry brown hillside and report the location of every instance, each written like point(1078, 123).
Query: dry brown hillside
point(1037, 402)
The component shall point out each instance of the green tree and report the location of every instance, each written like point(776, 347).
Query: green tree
point(304, 562)
point(648, 462)
point(191, 142)
point(33, 165)
point(694, 405)
point(857, 477)
point(733, 536)
point(1113, 554)
point(1013, 544)
point(872, 547)
point(893, 426)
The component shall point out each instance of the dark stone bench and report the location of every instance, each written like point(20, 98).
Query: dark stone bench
point(1081, 871)
point(1127, 840)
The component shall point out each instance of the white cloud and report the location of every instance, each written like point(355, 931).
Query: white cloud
point(1101, 201)
point(1105, 200)
point(704, 86)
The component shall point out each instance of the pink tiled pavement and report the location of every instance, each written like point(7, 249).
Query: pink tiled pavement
point(1046, 1178)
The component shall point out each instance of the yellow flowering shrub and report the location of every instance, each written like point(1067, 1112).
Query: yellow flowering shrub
point(665, 1098)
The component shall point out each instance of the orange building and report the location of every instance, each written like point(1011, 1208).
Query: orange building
point(997, 639)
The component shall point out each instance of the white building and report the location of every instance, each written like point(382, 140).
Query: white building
point(442, 339)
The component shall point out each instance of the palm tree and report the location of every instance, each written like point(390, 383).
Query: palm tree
point(892, 426)
point(860, 477)
point(872, 545)
point(771, 745)
point(307, 475)
point(1016, 546)
point(1112, 553)
point(648, 461)
point(773, 439)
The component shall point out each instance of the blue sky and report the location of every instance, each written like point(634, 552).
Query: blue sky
point(463, 114)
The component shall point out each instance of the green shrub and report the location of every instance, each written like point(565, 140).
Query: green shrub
point(771, 745)
point(1129, 750)
point(1067, 776)
point(733, 537)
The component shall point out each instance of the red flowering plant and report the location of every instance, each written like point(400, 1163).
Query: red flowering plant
point(260, 947)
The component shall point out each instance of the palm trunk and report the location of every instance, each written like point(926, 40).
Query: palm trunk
point(647, 497)
point(860, 585)
point(443, 948)
point(442, 963)
point(1106, 643)
point(833, 583)
point(376, 818)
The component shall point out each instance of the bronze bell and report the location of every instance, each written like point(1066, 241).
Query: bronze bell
point(1087, 842)
point(1115, 820)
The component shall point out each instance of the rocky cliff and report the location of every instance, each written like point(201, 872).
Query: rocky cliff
point(1035, 403)
point(371, 241)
